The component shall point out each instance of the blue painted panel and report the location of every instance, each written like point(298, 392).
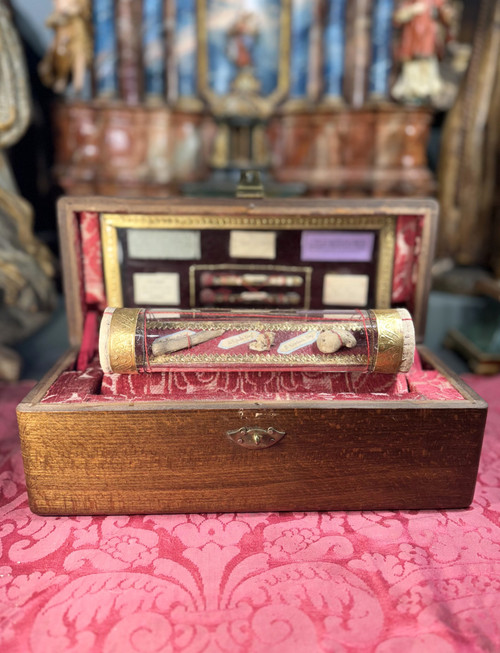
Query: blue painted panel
point(381, 47)
point(105, 59)
point(268, 44)
point(153, 47)
point(333, 48)
point(185, 47)
point(302, 16)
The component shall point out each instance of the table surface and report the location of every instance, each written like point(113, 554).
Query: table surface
point(266, 582)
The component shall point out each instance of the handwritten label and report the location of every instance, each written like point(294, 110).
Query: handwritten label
point(164, 244)
point(239, 339)
point(252, 244)
point(160, 288)
point(337, 246)
point(345, 289)
point(298, 342)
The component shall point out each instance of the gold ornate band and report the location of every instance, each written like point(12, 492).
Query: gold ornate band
point(396, 341)
point(121, 340)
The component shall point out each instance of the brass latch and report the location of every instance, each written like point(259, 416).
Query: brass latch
point(255, 438)
point(250, 185)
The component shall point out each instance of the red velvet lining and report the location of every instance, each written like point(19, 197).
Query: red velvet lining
point(75, 386)
point(87, 383)
point(89, 340)
point(89, 251)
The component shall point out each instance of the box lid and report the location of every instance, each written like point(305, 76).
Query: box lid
point(245, 253)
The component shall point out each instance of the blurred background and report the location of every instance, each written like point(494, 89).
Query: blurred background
point(327, 98)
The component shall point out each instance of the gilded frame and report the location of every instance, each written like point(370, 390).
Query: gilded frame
point(384, 226)
point(216, 101)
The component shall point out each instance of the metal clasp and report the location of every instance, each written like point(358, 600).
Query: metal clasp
point(255, 438)
point(250, 185)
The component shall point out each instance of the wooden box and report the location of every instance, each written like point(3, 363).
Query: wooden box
point(96, 444)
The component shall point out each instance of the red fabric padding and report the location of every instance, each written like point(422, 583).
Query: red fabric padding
point(89, 340)
point(92, 385)
point(90, 233)
point(422, 581)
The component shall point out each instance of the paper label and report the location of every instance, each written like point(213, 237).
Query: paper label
point(239, 339)
point(336, 246)
point(160, 288)
point(164, 244)
point(345, 289)
point(303, 340)
point(252, 244)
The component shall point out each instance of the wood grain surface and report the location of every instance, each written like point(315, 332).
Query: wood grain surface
point(176, 457)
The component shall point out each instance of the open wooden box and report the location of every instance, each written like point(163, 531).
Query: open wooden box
point(98, 443)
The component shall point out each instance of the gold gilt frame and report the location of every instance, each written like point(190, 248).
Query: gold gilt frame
point(267, 102)
point(384, 226)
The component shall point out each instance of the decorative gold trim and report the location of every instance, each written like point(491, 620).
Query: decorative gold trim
point(253, 325)
point(384, 225)
point(121, 348)
point(386, 254)
point(292, 269)
point(111, 263)
point(390, 341)
point(288, 360)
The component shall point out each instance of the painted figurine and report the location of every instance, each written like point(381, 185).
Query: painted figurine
point(70, 54)
point(27, 291)
point(241, 40)
point(419, 48)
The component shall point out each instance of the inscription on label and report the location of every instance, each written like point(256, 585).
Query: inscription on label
point(337, 246)
point(157, 288)
point(345, 289)
point(252, 244)
point(303, 340)
point(164, 244)
point(239, 339)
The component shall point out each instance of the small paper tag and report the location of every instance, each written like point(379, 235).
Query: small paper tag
point(239, 339)
point(164, 244)
point(336, 246)
point(345, 289)
point(252, 244)
point(160, 288)
point(305, 339)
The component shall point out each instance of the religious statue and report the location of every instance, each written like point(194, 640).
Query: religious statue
point(240, 48)
point(421, 45)
point(27, 293)
point(70, 54)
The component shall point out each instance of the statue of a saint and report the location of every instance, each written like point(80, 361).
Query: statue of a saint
point(421, 44)
point(70, 53)
point(27, 293)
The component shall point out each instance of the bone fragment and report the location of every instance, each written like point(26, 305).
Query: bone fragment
point(263, 342)
point(169, 344)
point(329, 342)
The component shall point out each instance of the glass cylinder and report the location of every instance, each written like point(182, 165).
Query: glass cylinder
point(137, 340)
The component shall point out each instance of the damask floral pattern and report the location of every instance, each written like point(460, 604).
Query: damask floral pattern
point(383, 582)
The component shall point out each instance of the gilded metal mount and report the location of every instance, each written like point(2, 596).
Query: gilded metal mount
point(250, 185)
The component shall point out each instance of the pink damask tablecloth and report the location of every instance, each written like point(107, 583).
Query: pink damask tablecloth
point(360, 581)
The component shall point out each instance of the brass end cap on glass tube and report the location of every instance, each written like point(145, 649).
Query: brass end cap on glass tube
point(117, 340)
point(396, 341)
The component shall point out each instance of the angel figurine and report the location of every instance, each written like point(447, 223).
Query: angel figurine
point(419, 48)
point(70, 53)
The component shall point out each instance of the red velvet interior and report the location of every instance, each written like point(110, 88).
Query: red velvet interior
point(91, 385)
point(87, 383)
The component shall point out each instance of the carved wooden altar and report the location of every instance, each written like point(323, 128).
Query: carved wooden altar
point(304, 89)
